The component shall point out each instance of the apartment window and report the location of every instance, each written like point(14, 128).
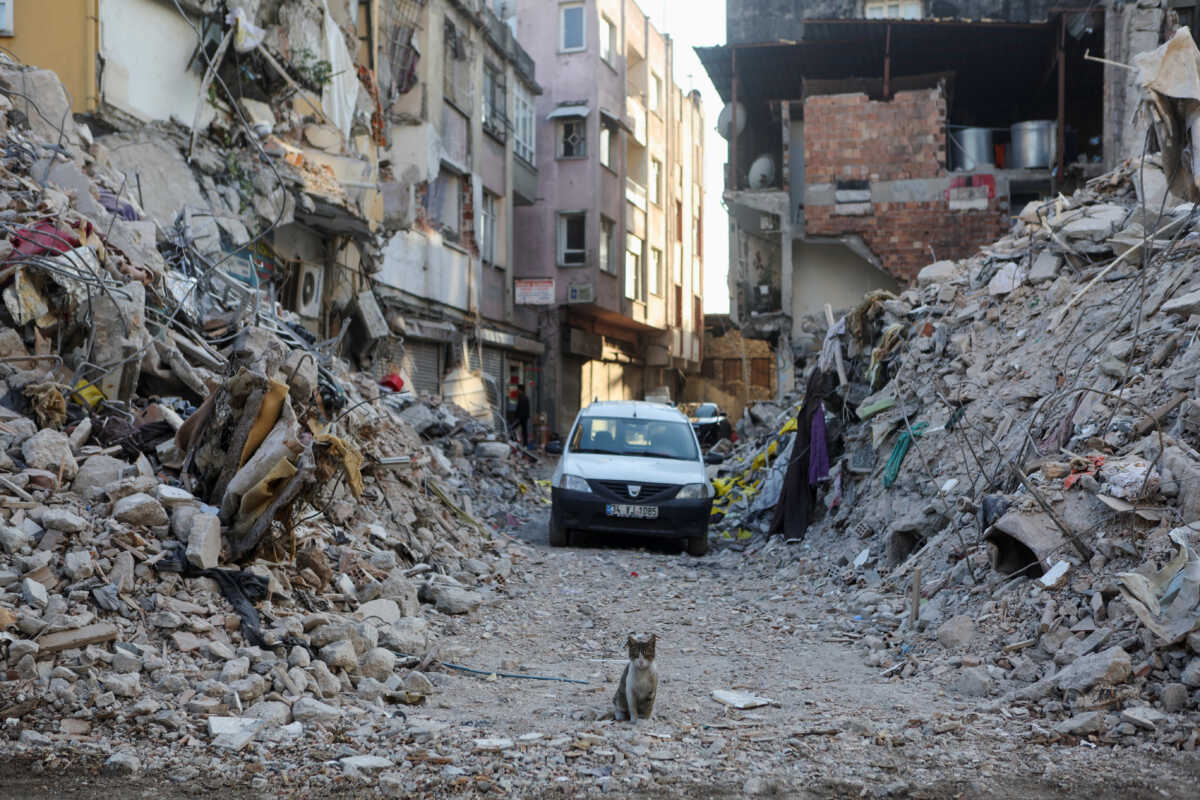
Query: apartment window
point(572, 138)
point(456, 77)
point(697, 226)
point(524, 125)
point(679, 221)
point(608, 40)
point(732, 370)
point(495, 101)
point(655, 181)
point(571, 27)
point(488, 218)
point(655, 272)
point(572, 240)
point(443, 204)
point(608, 235)
point(606, 146)
point(893, 9)
point(634, 286)
point(655, 92)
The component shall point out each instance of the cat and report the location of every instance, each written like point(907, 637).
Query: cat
point(634, 698)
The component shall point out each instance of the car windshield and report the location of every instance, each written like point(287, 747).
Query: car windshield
point(634, 437)
point(707, 411)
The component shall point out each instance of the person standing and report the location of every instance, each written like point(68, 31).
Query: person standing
point(522, 415)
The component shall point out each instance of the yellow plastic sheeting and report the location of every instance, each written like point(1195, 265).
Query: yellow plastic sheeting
point(255, 502)
point(351, 459)
point(268, 415)
point(791, 426)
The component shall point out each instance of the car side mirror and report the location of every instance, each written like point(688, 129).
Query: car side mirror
point(714, 458)
point(554, 448)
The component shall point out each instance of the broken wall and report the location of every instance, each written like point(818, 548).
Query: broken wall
point(147, 76)
point(877, 169)
point(1128, 29)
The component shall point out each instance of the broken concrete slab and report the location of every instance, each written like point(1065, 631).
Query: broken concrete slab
point(1109, 667)
point(78, 638)
point(938, 272)
point(204, 541)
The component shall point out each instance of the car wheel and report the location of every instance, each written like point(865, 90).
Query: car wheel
point(697, 545)
point(558, 534)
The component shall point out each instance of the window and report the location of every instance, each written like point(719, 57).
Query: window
point(572, 138)
point(608, 41)
point(760, 372)
point(495, 101)
point(634, 287)
point(708, 368)
point(656, 276)
point(488, 217)
point(893, 9)
point(524, 125)
point(6, 17)
point(732, 372)
point(443, 204)
point(571, 19)
point(655, 181)
point(608, 234)
point(456, 68)
point(606, 146)
point(655, 92)
point(572, 240)
point(678, 220)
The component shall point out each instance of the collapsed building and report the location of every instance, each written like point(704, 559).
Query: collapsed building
point(868, 139)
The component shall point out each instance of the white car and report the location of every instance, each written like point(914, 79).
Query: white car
point(632, 468)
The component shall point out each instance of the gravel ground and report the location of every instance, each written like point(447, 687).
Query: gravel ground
point(834, 728)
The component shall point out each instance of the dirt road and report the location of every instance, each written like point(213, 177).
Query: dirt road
point(834, 728)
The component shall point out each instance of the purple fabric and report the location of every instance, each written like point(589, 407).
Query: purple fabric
point(818, 451)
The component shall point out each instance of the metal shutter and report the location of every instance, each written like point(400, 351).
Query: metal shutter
point(427, 366)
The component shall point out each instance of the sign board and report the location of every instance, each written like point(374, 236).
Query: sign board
point(535, 292)
point(581, 293)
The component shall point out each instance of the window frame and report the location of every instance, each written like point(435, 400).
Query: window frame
point(489, 224)
point(495, 101)
point(655, 188)
point(608, 41)
point(562, 251)
point(524, 125)
point(605, 147)
point(563, 9)
point(654, 272)
point(607, 245)
point(654, 93)
point(561, 138)
point(639, 256)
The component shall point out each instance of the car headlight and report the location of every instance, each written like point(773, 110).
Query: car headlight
point(694, 491)
point(574, 483)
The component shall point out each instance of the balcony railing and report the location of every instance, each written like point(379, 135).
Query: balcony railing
point(636, 113)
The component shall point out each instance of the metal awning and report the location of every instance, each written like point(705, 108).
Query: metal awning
point(569, 111)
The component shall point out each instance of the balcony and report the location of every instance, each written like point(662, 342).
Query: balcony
point(635, 193)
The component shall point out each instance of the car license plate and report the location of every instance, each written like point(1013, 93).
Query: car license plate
point(632, 512)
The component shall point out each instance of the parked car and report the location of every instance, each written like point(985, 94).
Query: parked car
point(710, 424)
point(631, 468)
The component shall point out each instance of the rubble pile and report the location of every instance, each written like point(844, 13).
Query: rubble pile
point(1016, 441)
point(212, 529)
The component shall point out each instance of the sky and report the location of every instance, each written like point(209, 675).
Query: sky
point(694, 23)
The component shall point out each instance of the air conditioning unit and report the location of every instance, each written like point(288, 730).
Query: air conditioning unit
point(309, 290)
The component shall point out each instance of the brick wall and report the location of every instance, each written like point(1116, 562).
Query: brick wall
point(849, 137)
point(909, 236)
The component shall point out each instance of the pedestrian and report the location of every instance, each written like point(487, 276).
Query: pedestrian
point(522, 415)
point(809, 463)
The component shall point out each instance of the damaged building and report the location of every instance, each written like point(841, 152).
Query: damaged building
point(868, 140)
point(384, 165)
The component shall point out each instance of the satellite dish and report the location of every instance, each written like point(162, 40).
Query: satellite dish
point(762, 172)
point(725, 120)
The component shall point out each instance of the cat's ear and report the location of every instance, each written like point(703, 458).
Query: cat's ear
point(629, 643)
